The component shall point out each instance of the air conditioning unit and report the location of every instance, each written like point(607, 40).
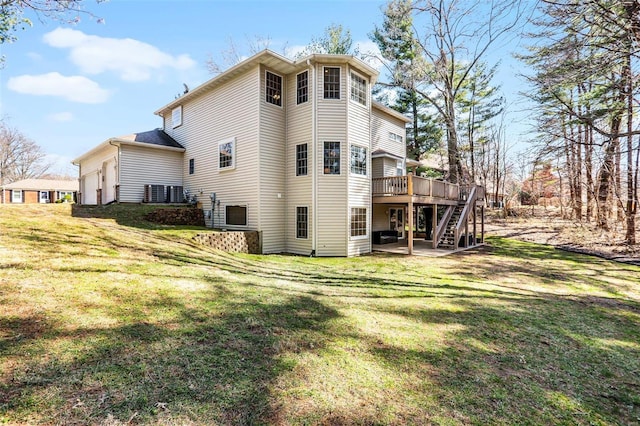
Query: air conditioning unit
point(154, 194)
point(175, 194)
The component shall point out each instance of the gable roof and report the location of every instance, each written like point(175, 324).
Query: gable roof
point(44, 185)
point(156, 139)
point(275, 62)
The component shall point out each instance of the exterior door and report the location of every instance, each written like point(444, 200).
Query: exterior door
point(44, 196)
point(396, 220)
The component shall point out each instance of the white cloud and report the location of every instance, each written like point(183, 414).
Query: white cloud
point(131, 59)
point(371, 54)
point(72, 88)
point(61, 116)
point(61, 165)
point(292, 52)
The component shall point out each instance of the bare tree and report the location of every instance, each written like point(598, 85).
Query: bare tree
point(20, 157)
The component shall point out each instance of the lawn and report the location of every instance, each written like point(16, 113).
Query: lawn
point(107, 319)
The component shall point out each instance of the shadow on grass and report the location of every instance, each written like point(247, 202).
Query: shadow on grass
point(534, 361)
point(211, 366)
point(130, 215)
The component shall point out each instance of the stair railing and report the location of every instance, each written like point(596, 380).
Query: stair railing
point(442, 226)
point(464, 215)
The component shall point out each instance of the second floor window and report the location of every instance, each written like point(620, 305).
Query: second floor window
point(273, 85)
point(395, 137)
point(358, 160)
point(301, 159)
point(176, 116)
point(192, 166)
point(332, 83)
point(358, 89)
point(227, 154)
point(303, 87)
point(332, 158)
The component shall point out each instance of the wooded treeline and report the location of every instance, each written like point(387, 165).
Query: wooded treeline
point(584, 60)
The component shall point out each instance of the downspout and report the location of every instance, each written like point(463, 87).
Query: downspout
point(314, 177)
point(117, 168)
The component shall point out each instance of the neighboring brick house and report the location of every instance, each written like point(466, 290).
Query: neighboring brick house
point(295, 149)
point(31, 191)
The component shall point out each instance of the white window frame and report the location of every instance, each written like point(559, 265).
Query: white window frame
point(62, 194)
point(358, 101)
point(307, 230)
point(176, 117)
point(401, 170)
point(276, 99)
point(324, 83)
point(324, 163)
point(231, 141)
point(246, 209)
point(19, 199)
point(366, 220)
point(306, 159)
point(46, 198)
point(396, 137)
point(298, 102)
point(366, 168)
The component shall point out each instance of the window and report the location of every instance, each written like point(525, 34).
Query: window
point(358, 89)
point(400, 168)
point(236, 215)
point(302, 222)
point(44, 196)
point(358, 222)
point(358, 160)
point(176, 117)
point(331, 83)
point(227, 154)
point(16, 196)
point(395, 137)
point(303, 87)
point(332, 158)
point(65, 196)
point(301, 159)
point(273, 84)
point(192, 166)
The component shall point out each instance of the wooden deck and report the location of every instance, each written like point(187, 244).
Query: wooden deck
point(419, 190)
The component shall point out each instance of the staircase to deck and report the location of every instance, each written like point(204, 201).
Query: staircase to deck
point(455, 221)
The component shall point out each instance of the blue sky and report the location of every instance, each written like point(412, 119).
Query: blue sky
point(70, 87)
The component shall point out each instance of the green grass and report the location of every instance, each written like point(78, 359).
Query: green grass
point(108, 319)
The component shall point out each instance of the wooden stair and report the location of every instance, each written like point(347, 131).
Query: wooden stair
point(448, 238)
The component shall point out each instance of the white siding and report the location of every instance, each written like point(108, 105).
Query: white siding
point(331, 192)
point(228, 111)
point(299, 188)
point(271, 179)
point(382, 124)
point(359, 189)
point(109, 180)
point(141, 166)
point(91, 171)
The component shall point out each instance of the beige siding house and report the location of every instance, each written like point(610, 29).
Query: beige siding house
point(292, 149)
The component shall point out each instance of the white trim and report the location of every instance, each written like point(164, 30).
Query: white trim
point(233, 154)
point(366, 90)
point(366, 160)
point(367, 225)
point(17, 200)
point(176, 117)
point(339, 98)
point(339, 161)
point(281, 95)
point(296, 223)
point(308, 87)
point(246, 209)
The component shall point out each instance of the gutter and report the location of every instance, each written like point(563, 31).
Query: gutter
point(314, 168)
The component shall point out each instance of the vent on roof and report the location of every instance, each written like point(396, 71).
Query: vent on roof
point(154, 194)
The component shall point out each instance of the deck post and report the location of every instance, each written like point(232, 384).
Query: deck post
point(434, 226)
point(410, 184)
point(410, 223)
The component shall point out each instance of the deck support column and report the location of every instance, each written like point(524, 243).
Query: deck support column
point(410, 223)
point(434, 226)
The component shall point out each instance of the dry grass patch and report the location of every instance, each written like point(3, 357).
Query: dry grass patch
point(110, 320)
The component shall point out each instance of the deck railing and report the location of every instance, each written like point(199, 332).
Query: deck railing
point(415, 185)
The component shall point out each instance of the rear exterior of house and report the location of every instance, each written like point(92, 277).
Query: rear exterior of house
point(39, 191)
point(286, 149)
point(296, 150)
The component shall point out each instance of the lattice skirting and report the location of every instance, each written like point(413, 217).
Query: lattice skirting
point(232, 241)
